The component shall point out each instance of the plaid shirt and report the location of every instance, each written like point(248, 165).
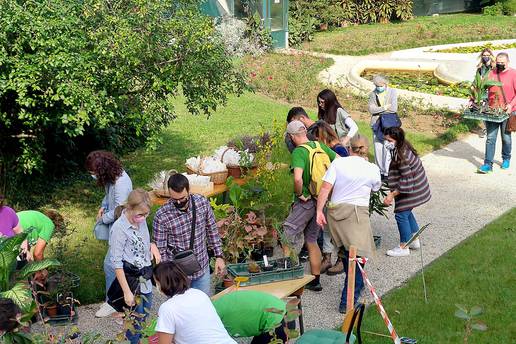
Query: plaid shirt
point(173, 228)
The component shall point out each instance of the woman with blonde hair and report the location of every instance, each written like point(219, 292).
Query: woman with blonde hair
point(131, 255)
point(325, 134)
point(486, 63)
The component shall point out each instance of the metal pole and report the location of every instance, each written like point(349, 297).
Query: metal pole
point(423, 269)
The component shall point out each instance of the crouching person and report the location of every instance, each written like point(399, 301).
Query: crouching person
point(130, 252)
point(350, 182)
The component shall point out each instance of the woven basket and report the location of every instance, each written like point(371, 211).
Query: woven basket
point(216, 177)
point(163, 192)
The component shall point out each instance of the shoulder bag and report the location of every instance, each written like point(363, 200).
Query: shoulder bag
point(511, 121)
point(187, 260)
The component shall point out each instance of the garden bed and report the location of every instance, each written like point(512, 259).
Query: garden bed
point(475, 49)
point(417, 81)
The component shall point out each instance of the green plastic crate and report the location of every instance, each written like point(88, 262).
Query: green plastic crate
point(484, 116)
point(280, 274)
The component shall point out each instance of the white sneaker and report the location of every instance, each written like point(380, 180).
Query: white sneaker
point(105, 310)
point(415, 245)
point(398, 252)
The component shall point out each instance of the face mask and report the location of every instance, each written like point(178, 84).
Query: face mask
point(94, 176)
point(183, 205)
point(500, 67)
point(380, 89)
point(389, 145)
point(139, 218)
point(486, 59)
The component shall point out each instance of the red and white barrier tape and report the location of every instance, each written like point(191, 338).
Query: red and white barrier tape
point(377, 300)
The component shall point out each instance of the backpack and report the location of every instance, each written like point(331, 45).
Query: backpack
point(319, 163)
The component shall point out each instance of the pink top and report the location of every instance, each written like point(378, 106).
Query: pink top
point(495, 96)
point(8, 221)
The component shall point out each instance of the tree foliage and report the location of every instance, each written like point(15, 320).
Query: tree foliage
point(78, 75)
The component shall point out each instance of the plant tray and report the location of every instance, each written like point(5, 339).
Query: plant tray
point(61, 320)
point(276, 275)
point(485, 116)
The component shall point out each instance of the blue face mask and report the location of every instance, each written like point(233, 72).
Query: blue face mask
point(380, 89)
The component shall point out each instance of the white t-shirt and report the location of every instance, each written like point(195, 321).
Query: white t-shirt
point(191, 318)
point(353, 178)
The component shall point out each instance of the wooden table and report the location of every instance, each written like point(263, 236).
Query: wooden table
point(217, 190)
point(282, 289)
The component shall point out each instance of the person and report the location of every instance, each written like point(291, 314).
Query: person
point(382, 100)
point(107, 170)
point(408, 186)
point(334, 114)
point(9, 222)
point(503, 97)
point(350, 182)
point(301, 219)
point(10, 315)
point(299, 114)
point(173, 230)
point(327, 135)
point(188, 316)
point(485, 64)
point(263, 320)
point(130, 254)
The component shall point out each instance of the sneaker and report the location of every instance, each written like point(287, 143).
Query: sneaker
point(485, 168)
point(314, 286)
point(415, 245)
point(398, 252)
point(505, 164)
point(336, 269)
point(105, 311)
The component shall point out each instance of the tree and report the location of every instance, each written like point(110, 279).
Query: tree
point(78, 75)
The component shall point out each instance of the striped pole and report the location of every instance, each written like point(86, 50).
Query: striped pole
point(378, 302)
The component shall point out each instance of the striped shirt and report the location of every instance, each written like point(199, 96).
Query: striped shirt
point(409, 178)
point(173, 228)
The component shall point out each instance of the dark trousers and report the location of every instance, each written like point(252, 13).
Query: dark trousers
point(266, 338)
point(359, 281)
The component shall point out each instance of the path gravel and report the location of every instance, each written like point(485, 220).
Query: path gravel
point(462, 203)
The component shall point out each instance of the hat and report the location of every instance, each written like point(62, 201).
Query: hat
point(295, 127)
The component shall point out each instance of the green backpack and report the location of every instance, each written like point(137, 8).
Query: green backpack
point(319, 163)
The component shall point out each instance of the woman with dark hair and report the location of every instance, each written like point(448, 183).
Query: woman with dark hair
point(334, 114)
point(188, 316)
point(107, 170)
point(9, 223)
point(409, 188)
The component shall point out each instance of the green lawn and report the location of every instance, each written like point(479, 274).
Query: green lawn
point(480, 271)
point(419, 32)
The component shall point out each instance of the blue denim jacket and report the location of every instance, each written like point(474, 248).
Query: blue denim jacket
point(116, 194)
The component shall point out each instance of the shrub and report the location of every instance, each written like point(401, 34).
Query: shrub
point(77, 75)
point(243, 37)
point(493, 10)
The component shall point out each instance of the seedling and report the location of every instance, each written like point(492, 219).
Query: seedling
point(470, 322)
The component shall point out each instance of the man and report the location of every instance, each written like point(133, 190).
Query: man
point(173, 228)
point(299, 114)
point(301, 219)
point(503, 97)
point(382, 100)
point(350, 181)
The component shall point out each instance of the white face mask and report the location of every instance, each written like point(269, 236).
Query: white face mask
point(389, 145)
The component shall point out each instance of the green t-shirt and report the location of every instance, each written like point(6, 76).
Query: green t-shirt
point(42, 226)
point(301, 159)
point(244, 314)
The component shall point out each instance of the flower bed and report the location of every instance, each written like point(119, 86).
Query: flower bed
point(476, 48)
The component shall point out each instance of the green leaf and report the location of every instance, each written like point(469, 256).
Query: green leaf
point(459, 313)
point(20, 294)
point(479, 326)
point(476, 310)
point(13, 243)
point(33, 267)
point(292, 334)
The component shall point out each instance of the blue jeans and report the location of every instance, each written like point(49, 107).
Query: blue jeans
point(359, 281)
point(407, 225)
point(203, 283)
point(109, 271)
point(492, 132)
point(141, 308)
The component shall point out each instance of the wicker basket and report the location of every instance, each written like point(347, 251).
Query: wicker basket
point(216, 177)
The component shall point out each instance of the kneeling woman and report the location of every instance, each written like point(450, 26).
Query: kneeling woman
point(188, 316)
point(130, 252)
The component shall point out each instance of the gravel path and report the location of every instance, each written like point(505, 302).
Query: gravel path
point(462, 203)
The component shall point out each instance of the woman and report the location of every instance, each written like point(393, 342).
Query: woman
point(130, 252)
point(486, 63)
point(350, 182)
point(334, 114)
point(188, 316)
point(107, 170)
point(382, 100)
point(325, 134)
point(9, 223)
point(409, 188)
